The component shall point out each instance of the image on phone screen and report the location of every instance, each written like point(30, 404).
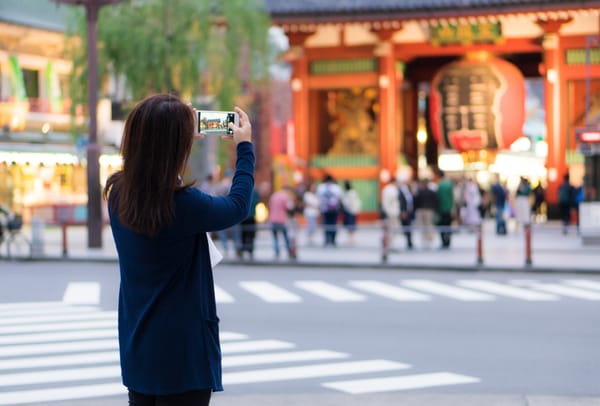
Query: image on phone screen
point(216, 122)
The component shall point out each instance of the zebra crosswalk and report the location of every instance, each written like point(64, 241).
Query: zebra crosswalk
point(408, 290)
point(71, 353)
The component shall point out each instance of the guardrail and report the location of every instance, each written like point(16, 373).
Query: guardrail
point(375, 246)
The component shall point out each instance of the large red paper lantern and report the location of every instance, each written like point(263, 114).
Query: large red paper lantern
point(477, 103)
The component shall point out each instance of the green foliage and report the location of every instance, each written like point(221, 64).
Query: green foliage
point(194, 48)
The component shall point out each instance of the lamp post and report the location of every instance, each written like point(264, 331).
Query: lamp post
point(94, 204)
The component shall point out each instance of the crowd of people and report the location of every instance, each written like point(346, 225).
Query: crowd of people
point(429, 207)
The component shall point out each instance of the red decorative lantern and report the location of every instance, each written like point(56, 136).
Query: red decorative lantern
point(477, 103)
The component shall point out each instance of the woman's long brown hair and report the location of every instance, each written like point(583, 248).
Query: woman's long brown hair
point(156, 145)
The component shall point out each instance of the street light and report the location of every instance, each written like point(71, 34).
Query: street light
point(94, 205)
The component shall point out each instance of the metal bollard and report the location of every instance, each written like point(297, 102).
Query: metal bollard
point(479, 244)
point(527, 230)
point(37, 237)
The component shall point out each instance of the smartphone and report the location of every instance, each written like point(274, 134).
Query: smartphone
point(216, 122)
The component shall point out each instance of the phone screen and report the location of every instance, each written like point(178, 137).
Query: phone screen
point(216, 122)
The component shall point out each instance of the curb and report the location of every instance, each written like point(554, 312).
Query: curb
point(354, 265)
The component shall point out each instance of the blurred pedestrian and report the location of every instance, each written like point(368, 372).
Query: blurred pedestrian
point(539, 198)
point(390, 205)
point(351, 205)
point(426, 206)
point(500, 195)
point(168, 325)
point(247, 229)
point(522, 202)
point(566, 197)
point(445, 194)
point(470, 213)
point(310, 211)
point(281, 207)
point(407, 210)
point(459, 198)
point(330, 196)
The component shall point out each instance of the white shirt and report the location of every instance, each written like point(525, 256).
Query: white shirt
point(390, 202)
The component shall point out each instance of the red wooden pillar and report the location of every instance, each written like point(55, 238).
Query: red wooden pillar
point(555, 104)
point(388, 145)
point(299, 84)
point(388, 101)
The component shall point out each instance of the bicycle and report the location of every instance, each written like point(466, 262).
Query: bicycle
point(12, 240)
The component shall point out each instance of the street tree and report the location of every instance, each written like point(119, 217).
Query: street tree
point(207, 50)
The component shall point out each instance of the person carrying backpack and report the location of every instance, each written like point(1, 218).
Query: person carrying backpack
point(566, 192)
point(330, 196)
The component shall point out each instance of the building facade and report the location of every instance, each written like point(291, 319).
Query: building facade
point(383, 88)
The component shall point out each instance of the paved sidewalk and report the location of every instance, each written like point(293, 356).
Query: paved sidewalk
point(550, 250)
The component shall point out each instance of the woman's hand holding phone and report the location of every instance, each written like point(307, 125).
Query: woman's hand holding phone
point(243, 132)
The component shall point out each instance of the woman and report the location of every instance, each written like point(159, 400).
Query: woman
point(168, 326)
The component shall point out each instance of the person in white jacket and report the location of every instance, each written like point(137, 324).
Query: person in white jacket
point(390, 204)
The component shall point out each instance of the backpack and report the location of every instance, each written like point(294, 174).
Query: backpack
point(331, 200)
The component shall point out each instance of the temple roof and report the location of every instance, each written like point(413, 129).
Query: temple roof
point(337, 10)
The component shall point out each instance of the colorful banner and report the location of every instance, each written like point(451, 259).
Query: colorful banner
point(53, 93)
point(17, 83)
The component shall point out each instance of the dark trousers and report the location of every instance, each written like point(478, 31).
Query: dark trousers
point(407, 227)
point(194, 398)
point(445, 221)
point(565, 214)
point(276, 229)
point(248, 234)
point(330, 225)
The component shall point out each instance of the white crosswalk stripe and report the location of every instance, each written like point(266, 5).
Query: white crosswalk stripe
point(57, 336)
point(86, 316)
point(567, 291)
point(311, 371)
point(23, 397)
point(270, 292)
point(442, 289)
point(583, 283)
point(221, 296)
point(82, 293)
point(39, 327)
point(330, 291)
point(60, 360)
point(507, 290)
point(467, 290)
point(396, 383)
point(281, 357)
point(389, 291)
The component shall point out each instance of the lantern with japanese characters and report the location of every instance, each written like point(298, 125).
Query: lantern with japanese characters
point(477, 103)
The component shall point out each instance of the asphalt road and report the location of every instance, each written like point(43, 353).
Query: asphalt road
point(298, 336)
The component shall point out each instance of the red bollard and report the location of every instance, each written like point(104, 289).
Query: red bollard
point(479, 244)
point(527, 229)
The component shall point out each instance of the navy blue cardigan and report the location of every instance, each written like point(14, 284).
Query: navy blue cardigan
point(168, 324)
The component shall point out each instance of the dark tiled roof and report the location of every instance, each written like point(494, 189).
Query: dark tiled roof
point(290, 10)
